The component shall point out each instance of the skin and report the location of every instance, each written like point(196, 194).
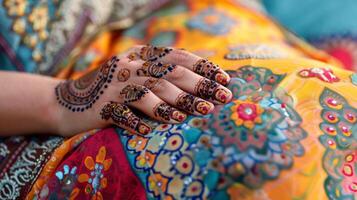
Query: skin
point(165, 84)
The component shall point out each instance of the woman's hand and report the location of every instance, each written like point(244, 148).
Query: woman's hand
point(163, 83)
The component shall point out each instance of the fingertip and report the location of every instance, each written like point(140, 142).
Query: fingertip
point(204, 107)
point(144, 128)
point(223, 95)
point(222, 77)
point(178, 116)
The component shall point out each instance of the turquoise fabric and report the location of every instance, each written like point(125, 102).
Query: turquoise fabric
point(14, 42)
point(315, 18)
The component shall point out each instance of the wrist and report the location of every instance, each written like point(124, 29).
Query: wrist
point(53, 115)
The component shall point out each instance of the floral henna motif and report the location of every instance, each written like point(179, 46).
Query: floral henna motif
point(209, 70)
point(157, 70)
point(133, 93)
point(167, 112)
point(190, 103)
point(151, 83)
point(150, 53)
point(123, 116)
point(79, 95)
point(208, 89)
point(123, 75)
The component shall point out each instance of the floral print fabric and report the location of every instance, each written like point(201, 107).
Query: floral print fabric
point(96, 169)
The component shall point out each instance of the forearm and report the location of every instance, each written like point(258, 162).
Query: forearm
point(27, 104)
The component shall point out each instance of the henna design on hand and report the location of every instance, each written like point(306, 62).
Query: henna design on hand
point(209, 70)
point(123, 75)
point(81, 94)
point(210, 90)
point(190, 103)
point(167, 112)
point(133, 93)
point(124, 117)
point(151, 83)
point(157, 70)
point(150, 53)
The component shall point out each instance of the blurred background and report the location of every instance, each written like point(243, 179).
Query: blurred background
point(330, 25)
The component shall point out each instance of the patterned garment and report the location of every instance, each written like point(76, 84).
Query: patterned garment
point(97, 168)
point(39, 36)
point(289, 133)
point(21, 161)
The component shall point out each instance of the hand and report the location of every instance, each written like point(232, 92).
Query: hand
point(163, 83)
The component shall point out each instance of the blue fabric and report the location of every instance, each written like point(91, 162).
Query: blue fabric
point(315, 18)
point(15, 42)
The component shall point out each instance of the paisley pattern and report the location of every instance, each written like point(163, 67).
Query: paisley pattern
point(24, 158)
point(340, 140)
point(250, 140)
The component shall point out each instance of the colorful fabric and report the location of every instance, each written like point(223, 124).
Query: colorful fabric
point(21, 161)
point(96, 169)
point(39, 36)
point(289, 133)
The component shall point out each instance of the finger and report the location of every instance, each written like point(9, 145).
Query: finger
point(170, 93)
point(122, 116)
point(193, 104)
point(184, 58)
point(184, 79)
point(198, 85)
point(144, 100)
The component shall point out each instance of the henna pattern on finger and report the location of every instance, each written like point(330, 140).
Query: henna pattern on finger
point(151, 83)
point(150, 53)
point(167, 112)
point(124, 117)
point(133, 93)
point(209, 70)
point(123, 75)
point(192, 104)
point(81, 94)
point(210, 90)
point(157, 70)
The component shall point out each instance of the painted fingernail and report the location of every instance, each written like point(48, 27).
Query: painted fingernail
point(144, 129)
point(221, 78)
point(178, 116)
point(222, 95)
point(203, 107)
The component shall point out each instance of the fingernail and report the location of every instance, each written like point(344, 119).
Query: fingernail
point(179, 116)
point(144, 129)
point(221, 78)
point(222, 95)
point(203, 107)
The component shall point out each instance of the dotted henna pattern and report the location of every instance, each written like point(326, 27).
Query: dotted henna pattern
point(150, 53)
point(157, 70)
point(79, 95)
